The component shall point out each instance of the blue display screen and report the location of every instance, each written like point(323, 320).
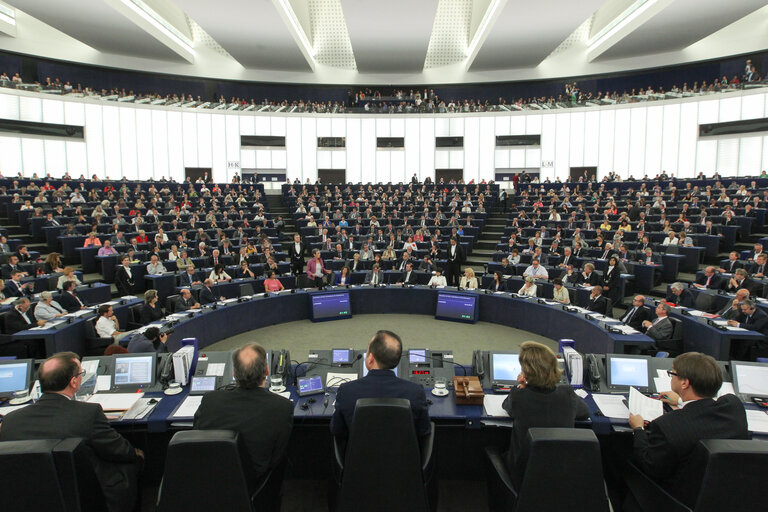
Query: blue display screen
point(13, 377)
point(310, 385)
point(453, 306)
point(625, 371)
point(326, 306)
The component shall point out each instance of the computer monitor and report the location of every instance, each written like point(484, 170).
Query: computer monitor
point(330, 306)
point(15, 376)
point(750, 379)
point(623, 371)
point(341, 356)
point(202, 384)
point(417, 356)
point(457, 307)
point(505, 367)
point(134, 371)
point(311, 385)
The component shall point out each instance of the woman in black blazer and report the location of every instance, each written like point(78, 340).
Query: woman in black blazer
point(497, 284)
point(610, 281)
point(124, 277)
point(151, 311)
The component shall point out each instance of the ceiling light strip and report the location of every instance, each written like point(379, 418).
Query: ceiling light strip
point(621, 21)
point(480, 33)
point(159, 23)
point(288, 11)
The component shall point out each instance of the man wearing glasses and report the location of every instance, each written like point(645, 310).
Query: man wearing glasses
point(662, 448)
point(57, 415)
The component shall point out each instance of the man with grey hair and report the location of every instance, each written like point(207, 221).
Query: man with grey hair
point(731, 310)
point(48, 309)
point(681, 296)
point(263, 419)
point(661, 328)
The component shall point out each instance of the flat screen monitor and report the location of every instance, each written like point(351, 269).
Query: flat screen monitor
point(624, 371)
point(504, 367)
point(330, 306)
point(15, 375)
point(134, 371)
point(457, 307)
point(750, 379)
point(311, 385)
point(202, 384)
point(417, 356)
point(341, 355)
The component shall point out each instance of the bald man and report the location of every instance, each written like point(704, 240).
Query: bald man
point(731, 310)
point(57, 415)
point(710, 279)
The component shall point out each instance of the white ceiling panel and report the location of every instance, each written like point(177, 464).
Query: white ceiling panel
point(252, 32)
point(529, 30)
point(389, 36)
point(681, 24)
point(98, 25)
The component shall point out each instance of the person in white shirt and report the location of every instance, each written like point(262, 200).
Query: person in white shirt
point(438, 279)
point(529, 287)
point(468, 280)
point(218, 274)
point(671, 239)
point(107, 325)
point(48, 309)
point(536, 271)
point(154, 266)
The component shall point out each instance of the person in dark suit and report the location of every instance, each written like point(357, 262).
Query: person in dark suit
point(19, 317)
point(206, 293)
point(611, 280)
point(681, 296)
point(151, 310)
point(732, 310)
point(741, 279)
point(598, 302)
point(68, 298)
point(750, 318)
point(58, 415)
point(12, 266)
point(760, 266)
point(383, 355)
point(264, 420)
point(588, 276)
point(151, 340)
point(709, 279)
point(188, 278)
point(296, 252)
point(538, 400)
point(663, 447)
point(455, 259)
point(185, 301)
point(733, 264)
point(409, 275)
point(15, 288)
point(661, 328)
point(636, 314)
point(124, 277)
point(648, 258)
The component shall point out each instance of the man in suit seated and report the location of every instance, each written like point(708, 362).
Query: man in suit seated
point(185, 301)
point(355, 265)
point(15, 288)
point(662, 448)
point(636, 314)
point(732, 310)
point(188, 278)
point(709, 280)
point(740, 279)
point(206, 293)
point(648, 258)
point(681, 296)
point(68, 297)
point(264, 420)
point(750, 318)
point(19, 318)
point(12, 266)
point(375, 275)
point(57, 415)
point(732, 264)
point(598, 302)
point(570, 275)
point(660, 329)
point(588, 277)
point(409, 275)
point(760, 267)
point(383, 355)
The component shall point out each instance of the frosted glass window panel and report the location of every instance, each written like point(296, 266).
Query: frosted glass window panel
point(144, 144)
point(670, 141)
point(621, 142)
point(562, 164)
point(502, 159)
point(204, 149)
point(175, 146)
point(77, 159)
point(709, 111)
point(730, 109)
point(728, 156)
point(74, 113)
point(456, 127)
point(248, 159)
point(753, 106)
point(263, 159)
point(653, 135)
point(471, 153)
point(516, 158)
point(94, 139)
point(232, 127)
point(293, 147)
point(353, 150)
point(456, 159)
point(442, 126)
point(750, 155)
point(412, 148)
point(764, 166)
point(383, 128)
point(113, 160)
point(532, 159)
point(309, 149)
point(247, 125)
point(55, 157)
point(278, 126)
point(503, 125)
point(160, 144)
point(9, 107)
point(324, 160)
point(548, 139)
point(706, 157)
point(219, 162)
point(383, 166)
point(397, 127)
point(30, 109)
point(338, 127)
point(53, 111)
point(279, 159)
point(427, 151)
point(396, 168)
point(128, 149)
point(33, 156)
point(189, 139)
point(486, 149)
point(577, 140)
point(262, 125)
point(591, 139)
point(517, 125)
point(637, 135)
point(442, 160)
point(605, 142)
point(323, 127)
point(10, 155)
point(689, 132)
point(532, 124)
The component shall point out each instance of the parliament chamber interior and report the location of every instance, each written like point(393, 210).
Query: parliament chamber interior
point(289, 256)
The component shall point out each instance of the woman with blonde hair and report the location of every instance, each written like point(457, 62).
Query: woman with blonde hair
point(528, 288)
point(539, 400)
point(468, 280)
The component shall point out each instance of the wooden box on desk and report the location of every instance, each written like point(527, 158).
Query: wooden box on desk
point(468, 391)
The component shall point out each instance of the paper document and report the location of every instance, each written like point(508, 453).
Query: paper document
point(757, 421)
point(662, 383)
point(115, 401)
point(612, 406)
point(492, 405)
point(581, 393)
point(9, 409)
point(103, 383)
point(725, 389)
point(81, 312)
point(215, 369)
point(90, 367)
point(334, 380)
point(662, 373)
point(647, 407)
point(141, 409)
point(188, 407)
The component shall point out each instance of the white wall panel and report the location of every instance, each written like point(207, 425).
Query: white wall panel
point(621, 142)
point(382, 127)
point(77, 159)
point(144, 144)
point(532, 158)
point(486, 149)
point(591, 139)
point(670, 140)
point(55, 157)
point(277, 126)
point(750, 156)
point(263, 159)
point(293, 148)
point(396, 168)
point(248, 125)
point(764, 166)
point(309, 149)
point(728, 156)
point(471, 153)
point(709, 111)
point(412, 147)
point(689, 132)
point(516, 158)
point(262, 125)
point(9, 106)
point(501, 159)
point(175, 146)
point(324, 159)
point(397, 127)
point(248, 159)
point(653, 127)
point(517, 125)
point(576, 158)
point(74, 113)
point(338, 160)
point(730, 110)
point(189, 139)
point(232, 129)
point(94, 139)
point(533, 124)
point(502, 124)
point(33, 157)
point(10, 156)
point(457, 126)
point(383, 165)
point(160, 146)
point(752, 106)
point(637, 134)
point(427, 144)
point(442, 126)
point(30, 109)
point(605, 145)
point(562, 148)
point(219, 164)
point(128, 150)
point(353, 153)
point(548, 143)
point(53, 111)
point(442, 160)
point(113, 161)
point(204, 141)
point(706, 156)
point(338, 127)
point(456, 159)
point(323, 127)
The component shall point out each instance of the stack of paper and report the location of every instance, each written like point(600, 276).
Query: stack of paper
point(575, 365)
point(757, 421)
point(188, 407)
point(612, 406)
point(493, 407)
point(115, 401)
point(647, 407)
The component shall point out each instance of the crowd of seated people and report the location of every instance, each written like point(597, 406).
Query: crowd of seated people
point(396, 100)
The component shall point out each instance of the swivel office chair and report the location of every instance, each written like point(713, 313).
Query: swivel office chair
point(560, 470)
point(382, 454)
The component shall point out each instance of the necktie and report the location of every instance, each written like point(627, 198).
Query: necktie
point(56, 308)
point(375, 275)
point(630, 315)
point(708, 280)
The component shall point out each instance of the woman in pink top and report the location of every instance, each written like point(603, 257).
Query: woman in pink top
point(272, 284)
